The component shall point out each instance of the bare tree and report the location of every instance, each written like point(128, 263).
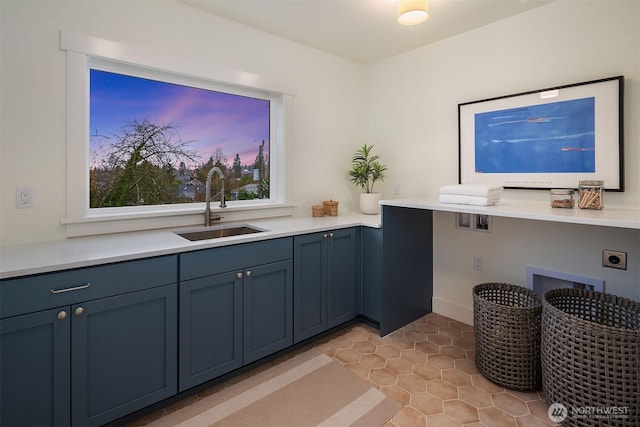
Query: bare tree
point(136, 167)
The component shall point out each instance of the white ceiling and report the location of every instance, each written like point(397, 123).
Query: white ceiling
point(364, 31)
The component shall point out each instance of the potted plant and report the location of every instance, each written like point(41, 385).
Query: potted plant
point(365, 171)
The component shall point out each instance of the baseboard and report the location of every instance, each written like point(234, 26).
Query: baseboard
point(369, 321)
point(453, 310)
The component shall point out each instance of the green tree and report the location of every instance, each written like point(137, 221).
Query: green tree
point(237, 166)
point(137, 168)
point(260, 164)
point(219, 159)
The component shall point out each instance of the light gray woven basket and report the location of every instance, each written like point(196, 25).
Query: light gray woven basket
point(591, 356)
point(506, 324)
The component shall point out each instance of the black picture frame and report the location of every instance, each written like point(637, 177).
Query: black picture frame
point(578, 136)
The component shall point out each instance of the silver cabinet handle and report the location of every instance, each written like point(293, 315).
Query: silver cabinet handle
point(75, 288)
point(79, 311)
point(325, 235)
point(331, 235)
point(238, 275)
point(62, 315)
point(248, 273)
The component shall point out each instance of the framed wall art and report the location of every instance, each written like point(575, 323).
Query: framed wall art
point(547, 138)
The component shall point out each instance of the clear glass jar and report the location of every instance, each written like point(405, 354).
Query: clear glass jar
point(562, 199)
point(591, 194)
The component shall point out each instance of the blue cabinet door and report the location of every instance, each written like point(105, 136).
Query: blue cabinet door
point(35, 369)
point(268, 309)
point(309, 286)
point(210, 327)
point(342, 285)
point(326, 285)
point(124, 354)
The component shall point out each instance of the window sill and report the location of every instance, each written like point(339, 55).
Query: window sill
point(124, 220)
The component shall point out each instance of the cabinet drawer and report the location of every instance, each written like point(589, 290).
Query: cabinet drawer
point(219, 260)
point(40, 292)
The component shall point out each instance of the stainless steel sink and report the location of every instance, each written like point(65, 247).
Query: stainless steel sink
point(218, 232)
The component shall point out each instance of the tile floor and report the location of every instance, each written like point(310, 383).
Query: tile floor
point(428, 366)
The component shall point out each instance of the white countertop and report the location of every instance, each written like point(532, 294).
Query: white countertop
point(33, 258)
point(535, 210)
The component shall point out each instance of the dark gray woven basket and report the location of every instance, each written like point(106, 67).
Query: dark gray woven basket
point(591, 356)
point(506, 323)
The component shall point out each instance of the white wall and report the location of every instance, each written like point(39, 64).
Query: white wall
point(328, 107)
point(412, 115)
point(514, 244)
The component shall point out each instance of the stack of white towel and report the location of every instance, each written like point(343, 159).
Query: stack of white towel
point(470, 194)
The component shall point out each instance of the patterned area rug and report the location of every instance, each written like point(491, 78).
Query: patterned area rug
point(308, 390)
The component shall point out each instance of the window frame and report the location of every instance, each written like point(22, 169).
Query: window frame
point(85, 52)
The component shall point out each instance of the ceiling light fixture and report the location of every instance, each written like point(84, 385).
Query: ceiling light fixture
point(412, 12)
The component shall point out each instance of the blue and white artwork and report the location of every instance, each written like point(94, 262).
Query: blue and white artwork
point(556, 137)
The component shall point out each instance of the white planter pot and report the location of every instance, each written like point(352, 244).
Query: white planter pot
point(369, 203)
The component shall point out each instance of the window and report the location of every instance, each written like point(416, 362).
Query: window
point(152, 142)
point(203, 115)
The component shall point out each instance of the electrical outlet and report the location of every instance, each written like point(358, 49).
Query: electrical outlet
point(396, 188)
point(24, 197)
point(614, 259)
point(478, 263)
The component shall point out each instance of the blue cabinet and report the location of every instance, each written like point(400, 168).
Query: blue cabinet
point(210, 327)
point(124, 354)
point(90, 345)
point(325, 281)
point(268, 309)
point(236, 307)
point(371, 255)
point(407, 268)
point(342, 285)
point(86, 361)
point(309, 286)
point(35, 369)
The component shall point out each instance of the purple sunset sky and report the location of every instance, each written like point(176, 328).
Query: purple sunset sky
point(237, 124)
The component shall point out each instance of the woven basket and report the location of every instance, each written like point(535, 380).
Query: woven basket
point(591, 356)
point(330, 207)
point(506, 324)
point(317, 210)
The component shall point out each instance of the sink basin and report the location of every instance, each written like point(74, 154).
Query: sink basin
point(218, 232)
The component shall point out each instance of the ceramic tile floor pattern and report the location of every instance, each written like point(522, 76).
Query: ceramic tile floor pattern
point(428, 366)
